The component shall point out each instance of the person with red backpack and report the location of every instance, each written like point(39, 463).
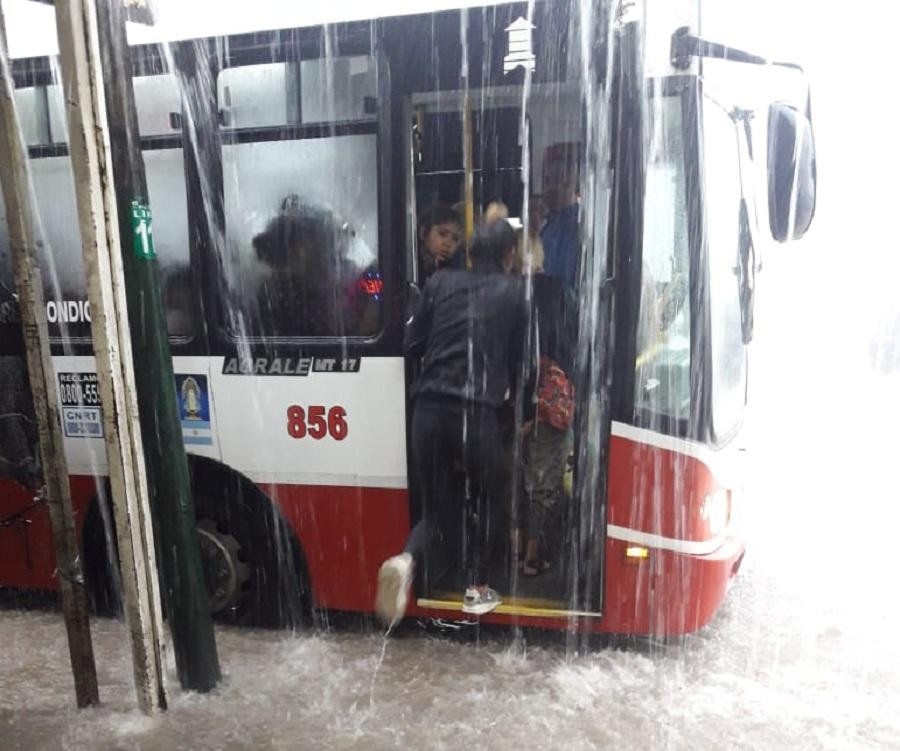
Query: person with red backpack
point(546, 434)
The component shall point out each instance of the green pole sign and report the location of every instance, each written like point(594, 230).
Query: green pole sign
point(142, 229)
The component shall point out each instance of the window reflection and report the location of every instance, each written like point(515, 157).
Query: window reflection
point(302, 235)
point(662, 383)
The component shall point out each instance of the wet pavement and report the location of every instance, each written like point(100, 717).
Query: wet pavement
point(772, 672)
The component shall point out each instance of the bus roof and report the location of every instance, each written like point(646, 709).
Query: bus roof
point(31, 27)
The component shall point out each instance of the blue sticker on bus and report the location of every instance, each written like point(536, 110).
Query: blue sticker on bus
point(193, 408)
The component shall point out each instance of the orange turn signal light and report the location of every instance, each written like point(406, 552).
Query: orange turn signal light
point(636, 553)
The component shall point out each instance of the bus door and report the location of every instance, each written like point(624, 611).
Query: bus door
point(524, 163)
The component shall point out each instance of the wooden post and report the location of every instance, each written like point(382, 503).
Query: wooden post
point(99, 225)
point(14, 179)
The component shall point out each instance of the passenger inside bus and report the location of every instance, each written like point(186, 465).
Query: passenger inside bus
point(560, 234)
point(310, 253)
point(546, 436)
point(469, 329)
point(440, 235)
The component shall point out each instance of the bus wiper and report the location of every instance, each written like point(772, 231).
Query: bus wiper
point(686, 46)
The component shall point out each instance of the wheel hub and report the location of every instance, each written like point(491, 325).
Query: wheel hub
point(223, 571)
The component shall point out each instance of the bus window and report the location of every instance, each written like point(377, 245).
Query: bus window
point(301, 228)
point(337, 90)
point(256, 96)
point(301, 212)
point(42, 114)
point(723, 198)
point(62, 266)
point(662, 382)
point(315, 91)
point(165, 183)
point(56, 105)
point(62, 262)
point(156, 98)
point(34, 117)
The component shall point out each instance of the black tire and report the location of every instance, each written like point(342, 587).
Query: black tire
point(274, 592)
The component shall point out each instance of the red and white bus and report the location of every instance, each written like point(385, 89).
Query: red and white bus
point(295, 413)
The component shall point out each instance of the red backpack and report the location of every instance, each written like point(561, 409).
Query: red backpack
point(556, 395)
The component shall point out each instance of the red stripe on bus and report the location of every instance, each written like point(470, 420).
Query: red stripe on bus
point(658, 491)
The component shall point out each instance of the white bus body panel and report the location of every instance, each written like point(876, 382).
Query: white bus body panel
point(247, 429)
point(253, 430)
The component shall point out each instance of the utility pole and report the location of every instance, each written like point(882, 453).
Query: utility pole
point(96, 64)
point(89, 150)
point(14, 179)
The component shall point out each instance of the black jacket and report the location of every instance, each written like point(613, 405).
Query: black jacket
point(429, 265)
point(469, 330)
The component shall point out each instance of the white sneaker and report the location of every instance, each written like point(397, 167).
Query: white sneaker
point(394, 577)
point(478, 603)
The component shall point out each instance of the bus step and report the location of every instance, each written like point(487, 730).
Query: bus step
point(510, 606)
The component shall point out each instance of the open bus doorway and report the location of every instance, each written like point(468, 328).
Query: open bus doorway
point(531, 165)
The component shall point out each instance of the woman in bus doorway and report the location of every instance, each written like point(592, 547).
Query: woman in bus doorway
point(469, 330)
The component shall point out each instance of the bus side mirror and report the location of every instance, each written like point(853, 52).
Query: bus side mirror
point(792, 172)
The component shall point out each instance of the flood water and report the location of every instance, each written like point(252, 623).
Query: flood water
point(803, 655)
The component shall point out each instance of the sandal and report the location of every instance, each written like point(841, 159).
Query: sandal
point(534, 567)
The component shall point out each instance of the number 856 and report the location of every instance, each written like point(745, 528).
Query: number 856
point(314, 423)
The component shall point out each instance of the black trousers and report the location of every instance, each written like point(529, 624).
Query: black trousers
point(458, 463)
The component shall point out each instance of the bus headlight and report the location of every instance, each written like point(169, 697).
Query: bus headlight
point(714, 511)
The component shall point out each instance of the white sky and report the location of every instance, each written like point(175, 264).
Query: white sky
point(850, 52)
point(188, 19)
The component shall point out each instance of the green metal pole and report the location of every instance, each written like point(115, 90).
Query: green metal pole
point(172, 505)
